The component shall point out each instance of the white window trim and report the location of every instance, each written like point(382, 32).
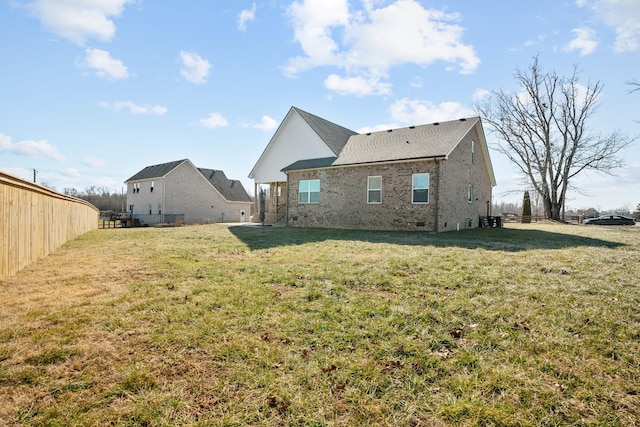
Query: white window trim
point(309, 202)
point(369, 190)
point(473, 152)
point(420, 188)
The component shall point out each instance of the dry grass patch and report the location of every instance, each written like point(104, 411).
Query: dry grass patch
point(219, 325)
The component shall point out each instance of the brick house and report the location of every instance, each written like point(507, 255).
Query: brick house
point(434, 177)
point(180, 192)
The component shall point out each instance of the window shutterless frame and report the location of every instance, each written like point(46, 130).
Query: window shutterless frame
point(309, 191)
point(374, 189)
point(420, 188)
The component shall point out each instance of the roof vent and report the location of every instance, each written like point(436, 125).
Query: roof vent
point(368, 133)
point(412, 127)
point(389, 130)
point(436, 124)
point(408, 142)
point(463, 120)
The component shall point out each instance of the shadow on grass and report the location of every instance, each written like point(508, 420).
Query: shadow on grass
point(497, 239)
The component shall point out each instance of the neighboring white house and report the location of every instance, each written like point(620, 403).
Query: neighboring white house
point(433, 177)
point(180, 192)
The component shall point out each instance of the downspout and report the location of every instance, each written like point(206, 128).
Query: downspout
point(437, 196)
point(164, 199)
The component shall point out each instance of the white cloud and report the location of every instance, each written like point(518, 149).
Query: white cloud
point(367, 43)
point(71, 173)
point(416, 82)
point(195, 69)
point(29, 148)
point(359, 85)
point(135, 108)
point(480, 94)
point(215, 120)
point(94, 162)
point(78, 20)
point(245, 16)
point(267, 124)
point(413, 111)
point(622, 16)
point(101, 62)
point(585, 41)
point(26, 174)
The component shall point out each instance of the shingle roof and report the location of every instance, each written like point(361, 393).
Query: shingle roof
point(232, 190)
point(335, 136)
point(156, 171)
point(310, 164)
point(414, 142)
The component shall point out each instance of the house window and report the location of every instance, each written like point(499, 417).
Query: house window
point(309, 191)
point(159, 209)
point(473, 151)
point(470, 193)
point(152, 186)
point(374, 189)
point(420, 188)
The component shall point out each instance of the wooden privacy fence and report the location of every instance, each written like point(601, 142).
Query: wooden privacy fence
point(34, 221)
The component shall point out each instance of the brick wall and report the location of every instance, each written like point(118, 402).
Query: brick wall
point(343, 194)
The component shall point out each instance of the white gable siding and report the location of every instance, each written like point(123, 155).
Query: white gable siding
point(293, 141)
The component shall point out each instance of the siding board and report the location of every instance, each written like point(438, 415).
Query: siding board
point(35, 221)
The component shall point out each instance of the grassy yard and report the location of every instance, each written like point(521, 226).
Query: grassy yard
point(535, 325)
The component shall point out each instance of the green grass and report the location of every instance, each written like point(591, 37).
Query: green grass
point(535, 325)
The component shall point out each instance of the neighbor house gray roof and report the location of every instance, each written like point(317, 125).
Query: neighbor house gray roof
point(231, 190)
point(156, 171)
point(335, 136)
point(414, 142)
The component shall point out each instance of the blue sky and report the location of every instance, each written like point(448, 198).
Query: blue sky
point(92, 91)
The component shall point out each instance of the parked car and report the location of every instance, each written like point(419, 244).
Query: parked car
point(610, 220)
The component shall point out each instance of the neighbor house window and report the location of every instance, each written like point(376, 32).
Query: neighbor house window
point(309, 191)
point(473, 151)
point(151, 186)
point(420, 188)
point(374, 189)
point(150, 209)
point(470, 193)
point(159, 209)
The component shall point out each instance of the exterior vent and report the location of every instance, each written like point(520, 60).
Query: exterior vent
point(390, 130)
point(368, 133)
point(420, 224)
point(412, 127)
point(436, 124)
point(463, 120)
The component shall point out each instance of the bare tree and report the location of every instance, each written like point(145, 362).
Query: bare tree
point(543, 129)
